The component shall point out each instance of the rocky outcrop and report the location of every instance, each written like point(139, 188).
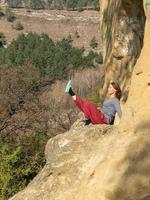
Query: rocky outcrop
point(122, 27)
point(102, 162)
point(94, 162)
point(137, 109)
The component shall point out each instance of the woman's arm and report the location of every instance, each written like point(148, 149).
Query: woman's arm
point(118, 109)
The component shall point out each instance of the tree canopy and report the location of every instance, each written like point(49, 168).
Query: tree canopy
point(56, 4)
point(52, 59)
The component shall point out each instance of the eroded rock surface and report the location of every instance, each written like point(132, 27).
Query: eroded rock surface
point(122, 27)
point(94, 163)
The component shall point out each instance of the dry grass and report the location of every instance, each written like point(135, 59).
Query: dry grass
point(57, 24)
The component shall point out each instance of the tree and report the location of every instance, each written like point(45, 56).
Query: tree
point(49, 3)
point(93, 43)
point(18, 26)
point(15, 3)
point(96, 4)
point(10, 169)
point(10, 15)
point(1, 12)
point(99, 58)
point(81, 4)
point(37, 4)
point(71, 4)
point(49, 58)
point(2, 40)
point(76, 34)
point(88, 60)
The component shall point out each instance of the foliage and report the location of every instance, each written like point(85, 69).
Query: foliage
point(1, 12)
point(81, 4)
point(2, 40)
point(96, 5)
point(49, 58)
point(37, 4)
point(10, 15)
point(99, 58)
point(93, 43)
point(12, 170)
point(30, 63)
point(56, 4)
point(15, 3)
point(18, 26)
point(94, 97)
point(77, 35)
point(89, 59)
point(71, 4)
point(18, 165)
point(49, 3)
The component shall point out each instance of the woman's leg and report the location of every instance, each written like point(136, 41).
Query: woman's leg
point(90, 111)
point(88, 108)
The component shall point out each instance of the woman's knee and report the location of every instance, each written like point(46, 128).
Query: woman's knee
point(86, 103)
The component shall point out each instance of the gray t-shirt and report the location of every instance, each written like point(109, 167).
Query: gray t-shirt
point(110, 107)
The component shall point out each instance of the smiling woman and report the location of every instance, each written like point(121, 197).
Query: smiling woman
point(104, 115)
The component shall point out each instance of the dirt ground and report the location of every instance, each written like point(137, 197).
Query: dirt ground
point(57, 24)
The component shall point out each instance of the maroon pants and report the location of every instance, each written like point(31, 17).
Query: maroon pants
point(90, 111)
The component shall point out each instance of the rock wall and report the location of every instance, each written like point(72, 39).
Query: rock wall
point(93, 163)
point(122, 27)
point(137, 109)
point(102, 162)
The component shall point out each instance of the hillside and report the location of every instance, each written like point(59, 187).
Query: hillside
point(82, 26)
point(33, 106)
point(105, 162)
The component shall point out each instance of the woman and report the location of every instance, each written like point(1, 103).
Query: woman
point(104, 115)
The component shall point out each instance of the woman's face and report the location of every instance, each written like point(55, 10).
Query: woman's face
point(111, 90)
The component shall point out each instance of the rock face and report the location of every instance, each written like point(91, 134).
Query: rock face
point(122, 27)
point(137, 109)
point(102, 162)
point(93, 163)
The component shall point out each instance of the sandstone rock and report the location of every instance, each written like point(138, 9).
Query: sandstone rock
point(93, 162)
point(137, 108)
point(122, 27)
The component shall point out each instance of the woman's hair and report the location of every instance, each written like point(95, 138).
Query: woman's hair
point(117, 88)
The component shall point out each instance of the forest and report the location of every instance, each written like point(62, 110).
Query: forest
point(54, 4)
point(29, 65)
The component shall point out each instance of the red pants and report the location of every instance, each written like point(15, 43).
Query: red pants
point(90, 111)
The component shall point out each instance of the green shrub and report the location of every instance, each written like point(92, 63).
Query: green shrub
point(96, 5)
point(80, 5)
point(18, 26)
point(76, 34)
point(12, 172)
point(93, 43)
point(10, 15)
point(19, 165)
point(88, 60)
point(71, 4)
point(49, 58)
point(99, 58)
point(1, 12)
point(2, 40)
point(94, 97)
point(15, 3)
point(37, 4)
